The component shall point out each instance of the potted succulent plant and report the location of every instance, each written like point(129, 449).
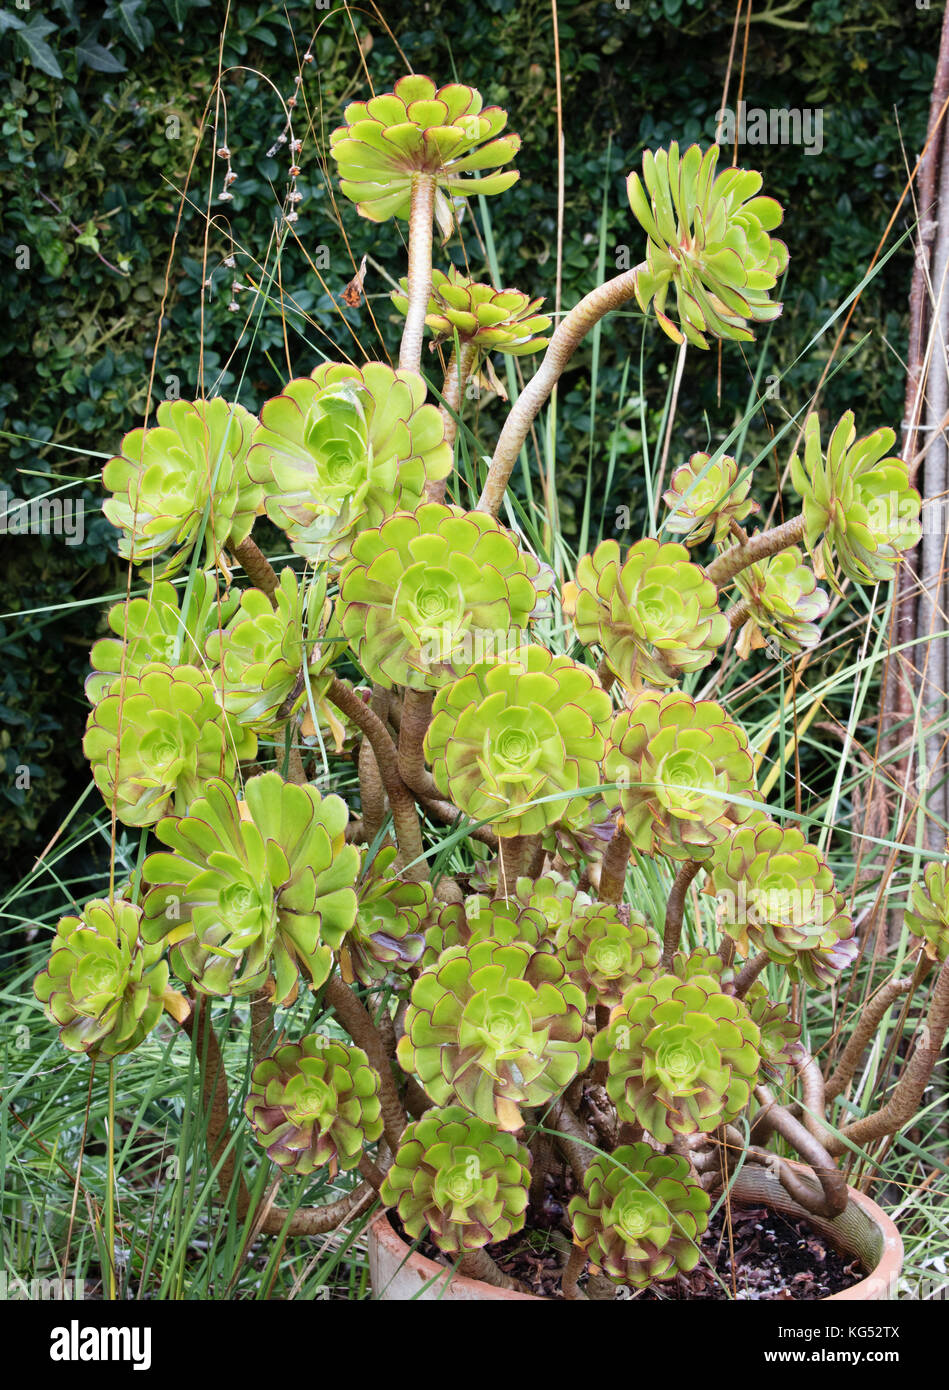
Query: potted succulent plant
point(510, 1037)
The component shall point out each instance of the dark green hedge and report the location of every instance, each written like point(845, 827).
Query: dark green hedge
point(99, 116)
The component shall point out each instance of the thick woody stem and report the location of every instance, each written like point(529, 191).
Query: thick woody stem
point(478, 1264)
point(295, 770)
point(613, 867)
point(737, 614)
point(574, 1267)
point(405, 818)
point(514, 859)
point(924, 967)
point(569, 333)
point(257, 567)
point(542, 1154)
point(773, 1116)
point(416, 717)
point(371, 1173)
point(216, 1105)
point(813, 1096)
point(457, 372)
point(867, 1024)
point(601, 1070)
point(420, 270)
point(316, 1221)
point(675, 908)
point(416, 1101)
point(538, 859)
point(726, 952)
point(570, 1137)
point(371, 791)
point(354, 1017)
point(749, 972)
point(448, 891)
point(908, 1091)
point(793, 1183)
point(261, 1023)
point(726, 566)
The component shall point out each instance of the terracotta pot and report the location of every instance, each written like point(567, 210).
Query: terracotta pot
point(862, 1230)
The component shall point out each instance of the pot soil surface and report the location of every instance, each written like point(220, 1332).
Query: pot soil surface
point(757, 1254)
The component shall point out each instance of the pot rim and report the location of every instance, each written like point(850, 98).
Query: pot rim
point(382, 1230)
point(879, 1284)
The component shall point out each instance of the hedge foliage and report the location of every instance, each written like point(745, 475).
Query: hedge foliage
point(100, 116)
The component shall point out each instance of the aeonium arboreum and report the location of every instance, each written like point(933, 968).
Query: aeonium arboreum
point(640, 1214)
point(480, 317)
point(261, 654)
point(709, 242)
point(253, 890)
point(156, 737)
point(473, 876)
point(494, 1027)
point(314, 1102)
point(445, 134)
point(654, 614)
point(104, 986)
point(518, 742)
point(341, 449)
point(183, 481)
point(163, 627)
point(429, 593)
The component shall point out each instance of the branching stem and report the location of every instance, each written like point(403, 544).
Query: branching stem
point(355, 1018)
point(257, 567)
point(413, 726)
point(478, 1264)
point(749, 972)
point(908, 1091)
point(576, 1264)
point(569, 333)
point(401, 801)
point(457, 372)
point(420, 270)
point(773, 1116)
point(675, 908)
point(613, 867)
point(867, 1024)
point(726, 566)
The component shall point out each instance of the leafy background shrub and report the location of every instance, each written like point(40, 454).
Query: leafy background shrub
point(101, 111)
